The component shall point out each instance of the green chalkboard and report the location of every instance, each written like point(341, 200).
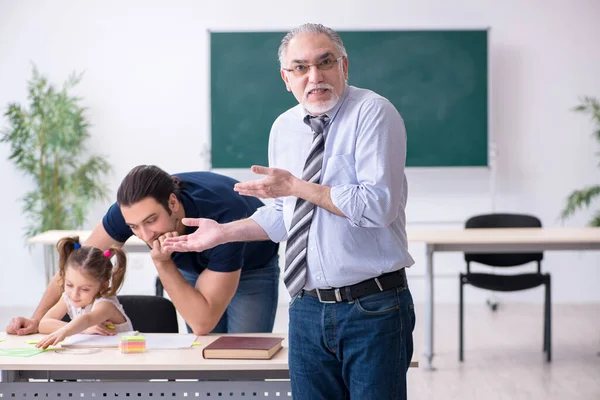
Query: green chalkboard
point(437, 79)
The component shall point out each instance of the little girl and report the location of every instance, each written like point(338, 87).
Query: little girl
point(90, 283)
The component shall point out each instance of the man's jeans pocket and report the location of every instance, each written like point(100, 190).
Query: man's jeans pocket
point(378, 303)
point(294, 299)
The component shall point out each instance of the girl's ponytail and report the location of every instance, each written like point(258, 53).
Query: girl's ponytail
point(118, 271)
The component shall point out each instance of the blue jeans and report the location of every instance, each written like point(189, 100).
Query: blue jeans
point(352, 350)
point(254, 304)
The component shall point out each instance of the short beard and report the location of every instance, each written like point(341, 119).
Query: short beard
point(322, 106)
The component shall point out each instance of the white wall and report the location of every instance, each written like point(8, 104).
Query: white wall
point(146, 84)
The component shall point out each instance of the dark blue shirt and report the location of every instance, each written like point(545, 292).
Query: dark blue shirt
point(208, 195)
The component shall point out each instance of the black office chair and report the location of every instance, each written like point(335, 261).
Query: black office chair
point(506, 283)
point(150, 314)
point(159, 288)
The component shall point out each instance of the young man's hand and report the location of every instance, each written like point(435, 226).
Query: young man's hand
point(22, 326)
point(159, 253)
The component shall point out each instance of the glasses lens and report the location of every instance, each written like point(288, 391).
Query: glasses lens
point(324, 65)
point(327, 63)
point(300, 69)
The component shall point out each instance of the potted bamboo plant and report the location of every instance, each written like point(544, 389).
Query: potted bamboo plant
point(583, 197)
point(47, 142)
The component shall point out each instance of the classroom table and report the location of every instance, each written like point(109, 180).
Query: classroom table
point(496, 240)
point(109, 374)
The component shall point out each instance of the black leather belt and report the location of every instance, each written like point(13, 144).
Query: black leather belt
point(382, 283)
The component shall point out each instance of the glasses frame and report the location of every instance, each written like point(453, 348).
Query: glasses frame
point(316, 65)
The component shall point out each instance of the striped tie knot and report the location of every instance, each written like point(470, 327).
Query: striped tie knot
point(317, 124)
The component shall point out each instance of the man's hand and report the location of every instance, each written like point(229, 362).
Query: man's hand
point(101, 329)
point(276, 183)
point(208, 235)
point(52, 339)
point(22, 326)
point(159, 253)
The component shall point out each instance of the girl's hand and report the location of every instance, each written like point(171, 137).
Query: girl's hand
point(101, 329)
point(52, 339)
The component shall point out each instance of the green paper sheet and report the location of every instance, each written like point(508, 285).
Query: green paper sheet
point(23, 352)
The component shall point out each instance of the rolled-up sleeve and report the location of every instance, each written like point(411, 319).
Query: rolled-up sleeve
point(380, 157)
point(270, 219)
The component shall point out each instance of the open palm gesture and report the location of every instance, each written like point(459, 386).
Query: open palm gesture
point(207, 236)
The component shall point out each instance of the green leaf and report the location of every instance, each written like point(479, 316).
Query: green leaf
point(590, 105)
point(595, 221)
point(579, 199)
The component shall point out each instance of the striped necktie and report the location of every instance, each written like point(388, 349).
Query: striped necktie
point(294, 275)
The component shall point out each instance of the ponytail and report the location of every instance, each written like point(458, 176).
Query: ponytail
point(118, 272)
point(65, 247)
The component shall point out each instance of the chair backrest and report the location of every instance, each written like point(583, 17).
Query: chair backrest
point(503, 221)
point(150, 314)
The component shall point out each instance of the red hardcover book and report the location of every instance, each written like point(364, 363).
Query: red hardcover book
point(243, 347)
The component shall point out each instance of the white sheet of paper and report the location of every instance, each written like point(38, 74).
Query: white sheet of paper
point(83, 340)
point(153, 340)
point(168, 341)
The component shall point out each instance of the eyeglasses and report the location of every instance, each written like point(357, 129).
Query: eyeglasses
point(324, 65)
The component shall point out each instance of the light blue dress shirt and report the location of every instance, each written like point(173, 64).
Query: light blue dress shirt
point(364, 160)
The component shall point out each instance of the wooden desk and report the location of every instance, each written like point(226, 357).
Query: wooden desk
point(126, 375)
point(118, 376)
point(49, 239)
point(503, 240)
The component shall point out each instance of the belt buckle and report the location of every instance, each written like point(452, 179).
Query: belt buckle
point(338, 296)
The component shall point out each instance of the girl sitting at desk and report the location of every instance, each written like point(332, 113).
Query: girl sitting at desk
point(90, 283)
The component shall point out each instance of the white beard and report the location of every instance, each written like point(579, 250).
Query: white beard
point(320, 107)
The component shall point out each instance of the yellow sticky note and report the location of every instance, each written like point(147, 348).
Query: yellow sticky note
point(196, 344)
point(32, 341)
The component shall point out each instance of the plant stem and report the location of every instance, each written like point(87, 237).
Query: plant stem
point(42, 137)
point(55, 192)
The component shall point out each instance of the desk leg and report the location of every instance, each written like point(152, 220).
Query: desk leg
point(429, 309)
point(8, 376)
